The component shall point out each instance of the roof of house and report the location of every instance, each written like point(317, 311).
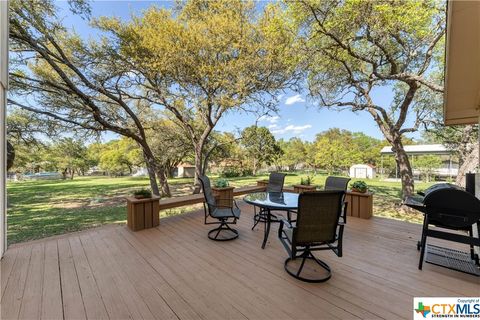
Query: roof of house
point(421, 149)
point(363, 165)
point(185, 165)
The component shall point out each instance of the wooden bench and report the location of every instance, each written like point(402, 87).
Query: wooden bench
point(190, 199)
point(360, 205)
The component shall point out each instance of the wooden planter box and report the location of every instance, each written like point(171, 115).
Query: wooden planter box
point(299, 188)
point(360, 205)
point(224, 196)
point(143, 213)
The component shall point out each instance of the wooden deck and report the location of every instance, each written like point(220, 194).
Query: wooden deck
point(175, 272)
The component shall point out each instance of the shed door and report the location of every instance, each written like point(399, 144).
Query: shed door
point(360, 173)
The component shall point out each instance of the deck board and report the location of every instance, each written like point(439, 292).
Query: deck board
point(14, 291)
point(32, 297)
point(72, 300)
point(52, 292)
point(175, 272)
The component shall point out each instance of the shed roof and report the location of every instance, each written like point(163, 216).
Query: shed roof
point(363, 165)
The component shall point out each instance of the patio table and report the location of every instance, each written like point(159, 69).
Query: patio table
point(268, 201)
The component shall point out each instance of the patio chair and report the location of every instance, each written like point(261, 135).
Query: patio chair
point(332, 183)
point(276, 181)
point(336, 183)
point(224, 215)
point(318, 227)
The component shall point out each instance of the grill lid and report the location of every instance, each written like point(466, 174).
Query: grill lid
point(449, 197)
point(440, 186)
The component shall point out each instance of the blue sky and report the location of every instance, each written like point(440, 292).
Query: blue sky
point(297, 117)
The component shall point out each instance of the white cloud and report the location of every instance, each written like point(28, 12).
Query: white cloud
point(294, 99)
point(271, 119)
point(292, 129)
point(272, 126)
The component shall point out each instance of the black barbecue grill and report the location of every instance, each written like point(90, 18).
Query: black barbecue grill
point(456, 213)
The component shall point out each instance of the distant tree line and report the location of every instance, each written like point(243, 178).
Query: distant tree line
point(254, 148)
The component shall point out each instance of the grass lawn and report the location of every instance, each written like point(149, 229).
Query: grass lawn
point(40, 209)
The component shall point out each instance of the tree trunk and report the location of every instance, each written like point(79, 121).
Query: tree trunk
point(10, 155)
point(198, 167)
point(469, 164)
point(150, 164)
point(404, 168)
point(162, 178)
point(72, 172)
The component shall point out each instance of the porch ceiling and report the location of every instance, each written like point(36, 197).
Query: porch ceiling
point(462, 68)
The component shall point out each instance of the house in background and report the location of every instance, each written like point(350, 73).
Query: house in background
point(448, 169)
point(362, 171)
point(184, 170)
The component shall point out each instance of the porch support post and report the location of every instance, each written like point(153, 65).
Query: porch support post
point(477, 193)
point(3, 132)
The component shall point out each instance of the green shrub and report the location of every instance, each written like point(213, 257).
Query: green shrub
point(230, 173)
point(360, 186)
point(307, 181)
point(234, 172)
point(221, 183)
point(142, 193)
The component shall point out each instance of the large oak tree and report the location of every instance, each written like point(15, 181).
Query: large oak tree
point(352, 48)
point(207, 58)
point(59, 76)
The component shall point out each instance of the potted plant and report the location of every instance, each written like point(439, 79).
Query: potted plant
point(221, 183)
point(359, 186)
point(142, 194)
point(223, 193)
point(305, 185)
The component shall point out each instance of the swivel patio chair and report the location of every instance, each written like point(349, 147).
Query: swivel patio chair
point(276, 181)
point(336, 183)
point(318, 227)
point(332, 183)
point(225, 215)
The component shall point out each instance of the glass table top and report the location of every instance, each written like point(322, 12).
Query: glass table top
point(273, 200)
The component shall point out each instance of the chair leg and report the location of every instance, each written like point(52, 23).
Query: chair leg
point(423, 244)
point(307, 254)
point(258, 217)
point(222, 229)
